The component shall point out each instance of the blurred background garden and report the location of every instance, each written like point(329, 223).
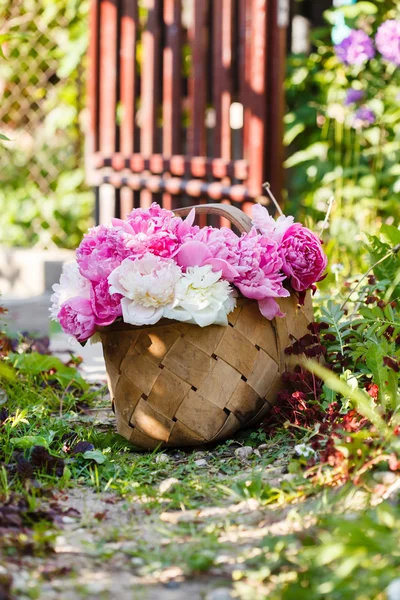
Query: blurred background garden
point(342, 123)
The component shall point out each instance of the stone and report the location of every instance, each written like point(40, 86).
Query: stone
point(263, 447)
point(244, 453)
point(167, 484)
point(162, 458)
point(201, 462)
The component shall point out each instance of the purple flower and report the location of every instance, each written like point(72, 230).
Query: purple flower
point(363, 117)
point(356, 49)
point(353, 96)
point(387, 41)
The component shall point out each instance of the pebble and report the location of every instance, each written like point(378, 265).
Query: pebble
point(202, 455)
point(167, 484)
point(220, 594)
point(263, 447)
point(201, 462)
point(162, 458)
point(244, 453)
point(136, 561)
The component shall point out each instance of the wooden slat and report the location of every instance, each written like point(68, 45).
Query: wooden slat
point(155, 184)
point(108, 79)
point(275, 90)
point(222, 79)
point(245, 13)
point(197, 166)
point(150, 86)
point(129, 23)
point(198, 79)
point(172, 79)
point(257, 141)
point(128, 90)
point(172, 84)
point(150, 78)
point(93, 77)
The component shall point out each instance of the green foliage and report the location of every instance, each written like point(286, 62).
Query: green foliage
point(340, 558)
point(43, 196)
point(49, 367)
point(329, 153)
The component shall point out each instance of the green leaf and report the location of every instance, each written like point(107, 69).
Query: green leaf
point(36, 364)
point(28, 441)
point(4, 137)
point(380, 373)
point(391, 233)
point(95, 455)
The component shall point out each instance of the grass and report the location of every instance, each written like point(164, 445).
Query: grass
point(312, 513)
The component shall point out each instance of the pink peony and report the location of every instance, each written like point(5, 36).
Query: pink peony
point(210, 246)
point(154, 230)
point(274, 230)
point(103, 249)
point(153, 219)
point(106, 306)
point(76, 317)
point(260, 277)
point(304, 261)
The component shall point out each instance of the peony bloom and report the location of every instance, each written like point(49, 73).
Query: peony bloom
point(304, 261)
point(71, 284)
point(103, 249)
point(356, 49)
point(353, 96)
point(155, 230)
point(152, 220)
point(106, 306)
point(147, 285)
point(266, 225)
point(76, 317)
point(387, 41)
point(260, 276)
point(210, 246)
point(202, 298)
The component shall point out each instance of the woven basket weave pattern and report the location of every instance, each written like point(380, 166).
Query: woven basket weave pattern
point(179, 385)
point(175, 384)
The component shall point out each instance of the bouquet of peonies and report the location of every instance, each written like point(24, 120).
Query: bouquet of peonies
point(155, 265)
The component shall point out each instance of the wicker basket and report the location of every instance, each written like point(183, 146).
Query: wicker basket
point(175, 384)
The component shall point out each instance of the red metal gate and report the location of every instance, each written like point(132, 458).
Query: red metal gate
point(186, 100)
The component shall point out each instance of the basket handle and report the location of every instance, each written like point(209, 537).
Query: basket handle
point(237, 217)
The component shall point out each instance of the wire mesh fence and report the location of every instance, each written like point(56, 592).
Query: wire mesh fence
point(43, 197)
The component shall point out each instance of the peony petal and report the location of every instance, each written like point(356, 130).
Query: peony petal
point(270, 309)
point(136, 314)
point(124, 225)
point(115, 286)
point(177, 314)
point(218, 264)
point(192, 254)
point(184, 227)
point(205, 317)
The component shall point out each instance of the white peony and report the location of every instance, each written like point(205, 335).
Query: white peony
point(148, 286)
point(202, 297)
point(274, 230)
point(72, 284)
